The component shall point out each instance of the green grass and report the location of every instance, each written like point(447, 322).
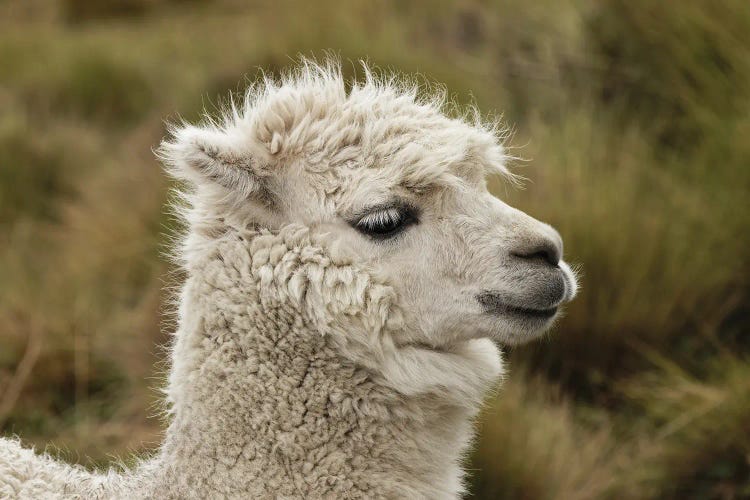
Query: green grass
point(32, 174)
point(633, 118)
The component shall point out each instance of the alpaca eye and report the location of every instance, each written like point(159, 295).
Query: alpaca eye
point(385, 223)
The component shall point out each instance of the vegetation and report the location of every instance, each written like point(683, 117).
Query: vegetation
point(633, 115)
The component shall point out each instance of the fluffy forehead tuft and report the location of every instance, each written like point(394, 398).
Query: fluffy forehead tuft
point(307, 115)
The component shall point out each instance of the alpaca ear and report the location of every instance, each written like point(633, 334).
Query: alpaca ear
point(210, 156)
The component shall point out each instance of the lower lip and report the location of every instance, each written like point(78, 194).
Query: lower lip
point(494, 304)
point(540, 314)
point(532, 313)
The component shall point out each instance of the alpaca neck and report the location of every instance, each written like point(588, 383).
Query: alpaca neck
point(263, 404)
point(304, 423)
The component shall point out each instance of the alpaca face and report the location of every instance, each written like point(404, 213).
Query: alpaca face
point(463, 263)
point(397, 186)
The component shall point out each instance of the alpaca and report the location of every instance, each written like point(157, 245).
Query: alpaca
point(348, 276)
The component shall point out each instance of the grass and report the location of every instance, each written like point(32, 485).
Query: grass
point(33, 181)
point(529, 433)
point(633, 118)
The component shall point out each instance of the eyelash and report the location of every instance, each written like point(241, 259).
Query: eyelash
point(386, 222)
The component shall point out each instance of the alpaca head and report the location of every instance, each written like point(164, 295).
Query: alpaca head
point(386, 177)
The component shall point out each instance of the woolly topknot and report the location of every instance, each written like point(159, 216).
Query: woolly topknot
point(307, 114)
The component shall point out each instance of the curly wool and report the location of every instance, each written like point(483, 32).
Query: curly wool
point(265, 406)
point(288, 379)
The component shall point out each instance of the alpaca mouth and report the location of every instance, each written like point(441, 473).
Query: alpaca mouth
point(493, 303)
point(534, 313)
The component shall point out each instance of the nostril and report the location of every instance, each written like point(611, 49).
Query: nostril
point(545, 250)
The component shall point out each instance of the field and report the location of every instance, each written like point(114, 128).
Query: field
point(631, 122)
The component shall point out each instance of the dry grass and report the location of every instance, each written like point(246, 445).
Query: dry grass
point(535, 444)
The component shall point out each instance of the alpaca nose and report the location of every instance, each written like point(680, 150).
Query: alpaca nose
point(547, 248)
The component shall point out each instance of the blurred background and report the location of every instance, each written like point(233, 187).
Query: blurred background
point(633, 121)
